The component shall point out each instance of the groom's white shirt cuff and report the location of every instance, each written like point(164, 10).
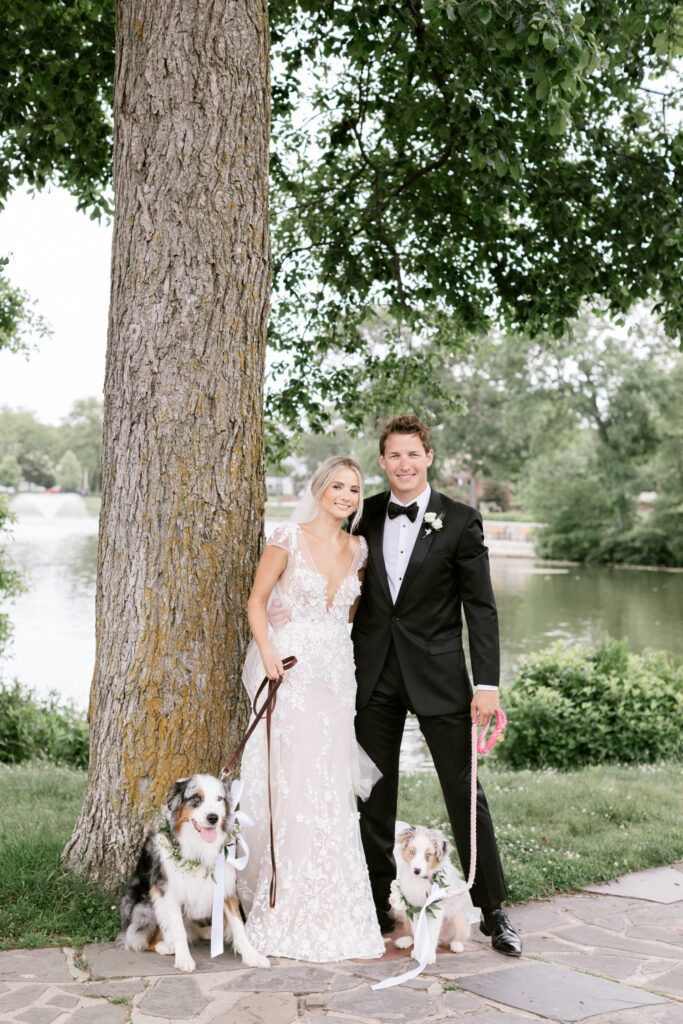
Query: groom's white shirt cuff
point(481, 686)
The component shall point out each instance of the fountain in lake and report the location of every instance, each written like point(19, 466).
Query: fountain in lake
point(48, 506)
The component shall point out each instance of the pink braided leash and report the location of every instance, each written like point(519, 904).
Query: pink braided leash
point(480, 745)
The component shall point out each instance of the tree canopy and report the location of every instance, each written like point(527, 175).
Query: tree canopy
point(488, 160)
point(448, 162)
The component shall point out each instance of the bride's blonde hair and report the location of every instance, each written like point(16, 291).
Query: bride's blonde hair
point(324, 475)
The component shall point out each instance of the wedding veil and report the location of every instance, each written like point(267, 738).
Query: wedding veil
point(306, 509)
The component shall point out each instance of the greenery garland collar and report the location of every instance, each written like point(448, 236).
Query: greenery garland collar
point(439, 878)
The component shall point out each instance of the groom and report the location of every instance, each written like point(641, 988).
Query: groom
point(427, 563)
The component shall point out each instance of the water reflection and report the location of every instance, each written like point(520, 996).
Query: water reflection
point(538, 602)
point(54, 639)
point(54, 620)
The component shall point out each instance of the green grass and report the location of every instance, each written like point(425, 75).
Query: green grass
point(92, 503)
point(560, 831)
point(275, 511)
point(41, 905)
point(557, 832)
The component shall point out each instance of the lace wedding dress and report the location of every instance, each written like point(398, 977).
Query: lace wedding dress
point(324, 909)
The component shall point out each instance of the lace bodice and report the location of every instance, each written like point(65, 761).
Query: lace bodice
point(304, 589)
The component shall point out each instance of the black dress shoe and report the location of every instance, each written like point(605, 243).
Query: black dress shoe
point(504, 938)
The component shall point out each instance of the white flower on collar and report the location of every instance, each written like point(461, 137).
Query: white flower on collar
point(432, 522)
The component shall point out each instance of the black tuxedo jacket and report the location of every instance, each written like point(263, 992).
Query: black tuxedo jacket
point(448, 571)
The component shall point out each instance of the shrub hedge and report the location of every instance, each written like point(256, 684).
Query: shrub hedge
point(572, 706)
point(568, 707)
point(31, 728)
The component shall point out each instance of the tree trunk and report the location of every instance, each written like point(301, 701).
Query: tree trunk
point(183, 490)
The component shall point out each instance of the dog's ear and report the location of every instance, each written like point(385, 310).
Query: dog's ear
point(176, 794)
point(442, 846)
point(406, 836)
point(447, 849)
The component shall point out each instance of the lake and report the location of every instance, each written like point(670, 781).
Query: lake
point(54, 621)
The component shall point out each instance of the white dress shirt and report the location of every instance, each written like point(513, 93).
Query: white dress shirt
point(399, 540)
point(398, 543)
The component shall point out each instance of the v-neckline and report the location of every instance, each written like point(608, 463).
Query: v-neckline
point(328, 604)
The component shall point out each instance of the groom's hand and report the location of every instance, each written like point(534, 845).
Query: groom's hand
point(278, 614)
point(484, 706)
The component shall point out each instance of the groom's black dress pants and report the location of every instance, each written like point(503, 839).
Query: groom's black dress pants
point(379, 728)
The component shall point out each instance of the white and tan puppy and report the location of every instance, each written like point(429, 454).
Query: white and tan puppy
point(423, 857)
point(172, 887)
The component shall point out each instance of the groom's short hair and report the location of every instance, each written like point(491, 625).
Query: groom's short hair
point(405, 425)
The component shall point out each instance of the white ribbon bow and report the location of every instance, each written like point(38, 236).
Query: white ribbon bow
point(228, 853)
point(421, 944)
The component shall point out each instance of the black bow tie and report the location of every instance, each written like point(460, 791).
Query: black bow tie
point(403, 510)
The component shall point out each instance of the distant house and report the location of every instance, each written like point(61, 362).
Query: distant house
point(281, 486)
point(645, 500)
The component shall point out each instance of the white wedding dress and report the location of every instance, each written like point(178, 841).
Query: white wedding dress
point(324, 909)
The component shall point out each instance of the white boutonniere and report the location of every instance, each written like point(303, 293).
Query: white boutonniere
point(432, 522)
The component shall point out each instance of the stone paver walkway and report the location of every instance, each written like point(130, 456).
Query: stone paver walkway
point(611, 955)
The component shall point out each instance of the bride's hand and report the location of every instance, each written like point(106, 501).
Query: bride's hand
point(272, 664)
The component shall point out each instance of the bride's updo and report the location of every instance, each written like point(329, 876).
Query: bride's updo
point(324, 475)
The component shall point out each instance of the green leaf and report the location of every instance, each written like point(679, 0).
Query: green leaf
point(559, 125)
point(660, 44)
point(542, 89)
point(549, 40)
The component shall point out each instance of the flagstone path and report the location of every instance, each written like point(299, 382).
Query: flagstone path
point(610, 955)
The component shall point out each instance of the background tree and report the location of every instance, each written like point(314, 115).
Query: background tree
point(35, 446)
point(37, 468)
point(24, 437)
point(10, 472)
point(662, 534)
point(10, 579)
point(509, 414)
point(69, 473)
point(82, 432)
point(620, 390)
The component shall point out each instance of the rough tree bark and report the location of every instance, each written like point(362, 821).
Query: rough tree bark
point(183, 486)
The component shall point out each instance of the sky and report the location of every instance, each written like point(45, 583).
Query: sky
point(62, 259)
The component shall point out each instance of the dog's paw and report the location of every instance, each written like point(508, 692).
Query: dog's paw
point(184, 962)
point(405, 942)
point(254, 959)
point(456, 947)
point(164, 949)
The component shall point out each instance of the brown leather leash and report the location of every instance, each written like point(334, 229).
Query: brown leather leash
point(269, 702)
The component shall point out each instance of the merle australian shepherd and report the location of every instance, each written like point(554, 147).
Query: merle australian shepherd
point(172, 887)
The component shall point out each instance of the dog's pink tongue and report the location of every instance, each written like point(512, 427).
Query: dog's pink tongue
point(207, 834)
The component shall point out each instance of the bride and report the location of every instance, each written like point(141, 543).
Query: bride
point(324, 909)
